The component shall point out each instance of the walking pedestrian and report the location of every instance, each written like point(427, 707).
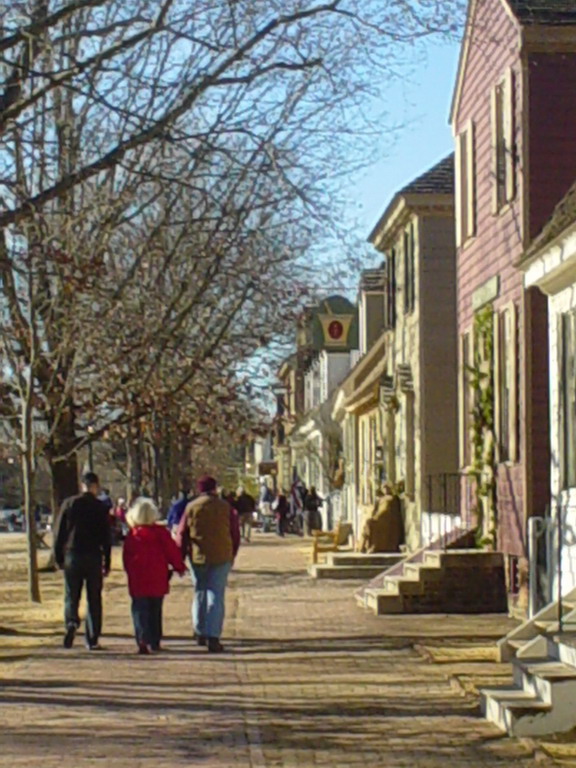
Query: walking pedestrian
point(245, 506)
point(265, 506)
point(297, 496)
point(177, 510)
point(118, 521)
point(281, 510)
point(312, 516)
point(209, 533)
point(149, 555)
point(82, 549)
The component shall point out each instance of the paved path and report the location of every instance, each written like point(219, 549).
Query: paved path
point(311, 680)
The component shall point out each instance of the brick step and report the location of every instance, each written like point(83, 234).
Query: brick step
point(383, 560)
point(456, 538)
point(382, 603)
point(343, 572)
point(453, 581)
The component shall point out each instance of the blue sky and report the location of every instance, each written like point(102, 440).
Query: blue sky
point(422, 107)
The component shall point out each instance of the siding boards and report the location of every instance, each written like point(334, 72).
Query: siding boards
point(499, 239)
point(552, 115)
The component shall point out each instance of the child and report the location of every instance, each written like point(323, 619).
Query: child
point(148, 552)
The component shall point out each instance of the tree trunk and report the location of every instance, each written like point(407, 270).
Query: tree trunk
point(135, 461)
point(28, 473)
point(30, 516)
point(65, 483)
point(64, 472)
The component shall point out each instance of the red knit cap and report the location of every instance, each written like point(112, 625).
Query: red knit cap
point(206, 484)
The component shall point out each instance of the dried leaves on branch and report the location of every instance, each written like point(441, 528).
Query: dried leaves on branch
point(165, 168)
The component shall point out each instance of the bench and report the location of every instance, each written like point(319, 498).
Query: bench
point(330, 541)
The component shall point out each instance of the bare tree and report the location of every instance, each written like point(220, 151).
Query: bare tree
point(167, 166)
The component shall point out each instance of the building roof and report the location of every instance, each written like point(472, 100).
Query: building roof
point(373, 279)
point(563, 217)
point(438, 180)
point(546, 12)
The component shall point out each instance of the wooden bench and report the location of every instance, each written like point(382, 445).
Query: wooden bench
point(330, 541)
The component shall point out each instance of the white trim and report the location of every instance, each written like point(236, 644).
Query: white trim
point(555, 267)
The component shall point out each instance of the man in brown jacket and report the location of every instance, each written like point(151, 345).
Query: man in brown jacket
point(207, 525)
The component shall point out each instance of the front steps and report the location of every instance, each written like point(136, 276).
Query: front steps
point(451, 581)
point(542, 624)
point(351, 565)
point(543, 697)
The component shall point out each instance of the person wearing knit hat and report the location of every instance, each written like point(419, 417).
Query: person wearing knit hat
point(209, 534)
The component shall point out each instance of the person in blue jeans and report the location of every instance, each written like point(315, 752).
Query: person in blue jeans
point(209, 534)
point(149, 556)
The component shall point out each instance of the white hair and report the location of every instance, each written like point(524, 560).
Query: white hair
point(142, 512)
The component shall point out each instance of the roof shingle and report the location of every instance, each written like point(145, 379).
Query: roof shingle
point(438, 180)
point(546, 12)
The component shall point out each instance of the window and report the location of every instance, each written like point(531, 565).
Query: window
point(391, 289)
point(568, 399)
point(465, 400)
point(503, 142)
point(465, 185)
point(409, 270)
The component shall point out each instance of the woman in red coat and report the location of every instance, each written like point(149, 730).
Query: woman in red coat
point(149, 555)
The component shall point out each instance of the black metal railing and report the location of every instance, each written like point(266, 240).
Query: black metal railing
point(442, 499)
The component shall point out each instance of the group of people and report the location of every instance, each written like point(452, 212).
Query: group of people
point(202, 533)
point(206, 537)
point(296, 511)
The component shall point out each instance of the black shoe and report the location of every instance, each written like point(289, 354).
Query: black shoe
point(94, 646)
point(143, 649)
point(200, 640)
point(214, 645)
point(69, 636)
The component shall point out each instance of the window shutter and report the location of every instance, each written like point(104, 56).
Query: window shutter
point(494, 122)
point(512, 361)
point(497, 384)
point(471, 180)
point(509, 134)
point(459, 192)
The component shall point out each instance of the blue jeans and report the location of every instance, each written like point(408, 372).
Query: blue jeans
point(208, 606)
point(147, 617)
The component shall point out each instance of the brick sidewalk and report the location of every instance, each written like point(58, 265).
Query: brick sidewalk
point(311, 680)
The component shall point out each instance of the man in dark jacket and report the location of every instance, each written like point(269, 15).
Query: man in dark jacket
point(82, 549)
point(312, 516)
point(245, 506)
